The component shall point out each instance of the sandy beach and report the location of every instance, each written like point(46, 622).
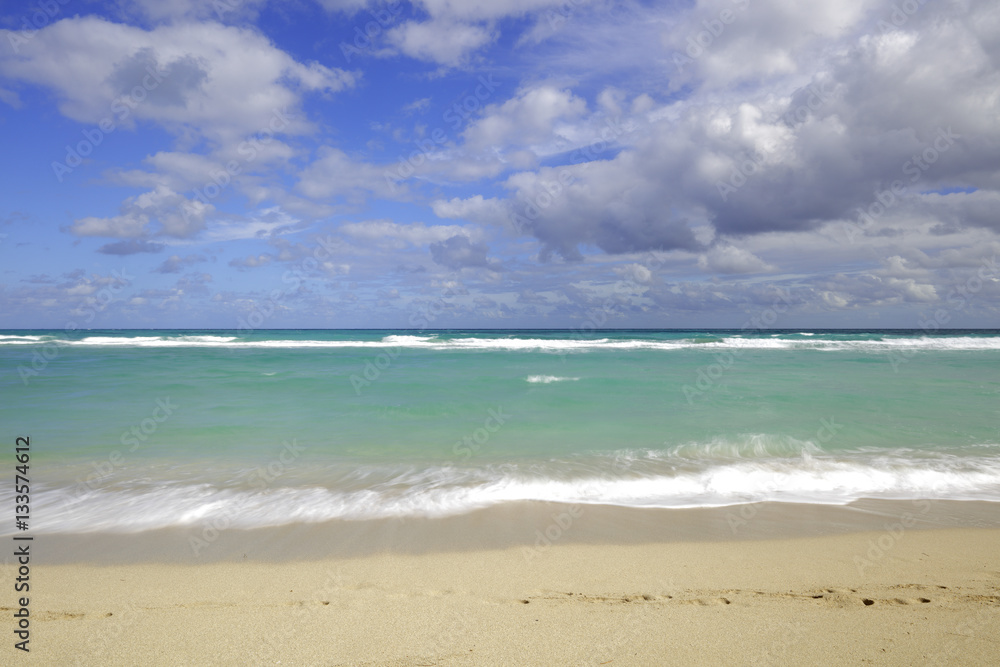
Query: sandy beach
point(499, 333)
point(921, 596)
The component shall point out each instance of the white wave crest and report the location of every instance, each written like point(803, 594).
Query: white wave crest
point(569, 344)
point(546, 379)
point(651, 479)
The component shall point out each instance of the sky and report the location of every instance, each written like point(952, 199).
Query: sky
point(256, 164)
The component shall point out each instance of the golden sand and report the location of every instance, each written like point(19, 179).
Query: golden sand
point(930, 597)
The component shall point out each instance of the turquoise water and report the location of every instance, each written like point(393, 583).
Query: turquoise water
point(135, 430)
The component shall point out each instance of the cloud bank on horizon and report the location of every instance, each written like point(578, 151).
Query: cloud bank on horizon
point(500, 163)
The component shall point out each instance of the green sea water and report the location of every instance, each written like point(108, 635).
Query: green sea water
point(270, 427)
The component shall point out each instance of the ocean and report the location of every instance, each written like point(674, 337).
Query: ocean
point(139, 430)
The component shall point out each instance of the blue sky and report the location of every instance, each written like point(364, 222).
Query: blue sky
point(499, 163)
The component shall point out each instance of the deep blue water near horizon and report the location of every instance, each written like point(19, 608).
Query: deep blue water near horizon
point(142, 429)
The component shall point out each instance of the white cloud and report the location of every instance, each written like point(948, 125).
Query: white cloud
point(251, 261)
point(457, 253)
point(444, 42)
point(490, 211)
point(333, 173)
point(476, 10)
point(261, 224)
point(730, 259)
point(722, 42)
point(220, 82)
point(346, 6)
point(385, 232)
point(530, 117)
point(160, 212)
point(10, 98)
point(636, 273)
point(171, 10)
point(789, 154)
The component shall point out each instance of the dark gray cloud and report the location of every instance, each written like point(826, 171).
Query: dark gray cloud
point(144, 78)
point(251, 261)
point(130, 247)
point(458, 252)
point(873, 105)
point(175, 263)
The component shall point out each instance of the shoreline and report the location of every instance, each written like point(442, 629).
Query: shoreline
point(532, 527)
point(932, 598)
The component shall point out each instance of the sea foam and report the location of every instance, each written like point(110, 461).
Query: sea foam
point(707, 475)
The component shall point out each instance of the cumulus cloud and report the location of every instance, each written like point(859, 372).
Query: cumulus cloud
point(799, 150)
point(161, 212)
point(175, 263)
point(730, 259)
point(489, 211)
point(458, 252)
point(252, 261)
point(722, 42)
point(130, 247)
point(843, 154)
point(386, 232)
point(221, 82)
point(346, 6)
point(10, 98)
point(530, 117)
point(217, 88)
point(444, 41)
point(334, 173)
point(171, 10)
point(569, 206)
point(456, 30)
